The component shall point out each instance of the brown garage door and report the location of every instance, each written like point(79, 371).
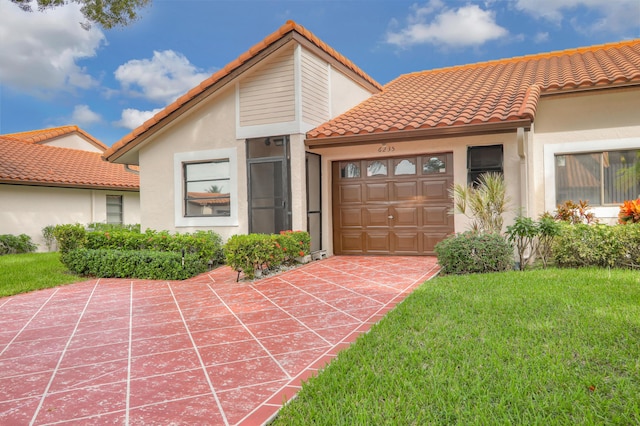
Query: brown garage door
point(392, 205)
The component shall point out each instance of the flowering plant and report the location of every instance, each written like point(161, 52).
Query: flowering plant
point(629, 212)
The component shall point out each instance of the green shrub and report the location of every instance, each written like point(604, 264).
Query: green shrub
point(523, 234)
point(11, 244)
point(248, 253)
point(472, 252)
point(142, 264)
point(99, 226)
point(70, 236)
point(599, 245)
point(548, 230)
point(49, 238)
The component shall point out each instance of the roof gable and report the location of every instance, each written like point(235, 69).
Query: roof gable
point(27, 163)
point(290, 30)
point(497, 92)
point(46, 135)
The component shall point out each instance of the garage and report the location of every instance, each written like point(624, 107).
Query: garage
point(387, 206)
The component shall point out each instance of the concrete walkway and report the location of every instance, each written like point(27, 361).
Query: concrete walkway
point(206, 350)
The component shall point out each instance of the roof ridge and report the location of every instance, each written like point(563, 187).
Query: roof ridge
point(243, 58)
point(39, 135)
point(526, 58)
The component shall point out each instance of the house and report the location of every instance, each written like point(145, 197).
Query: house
point(57, 176)
point(298, 137)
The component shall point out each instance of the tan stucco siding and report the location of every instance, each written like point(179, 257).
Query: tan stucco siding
point(345, 93)
point(458, 146)
point(315, 89)
point(73, 141)
point(589, 122)
point(267, 95)
point(34, 207)
point(208, 128)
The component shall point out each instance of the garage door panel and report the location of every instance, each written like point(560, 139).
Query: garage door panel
point(405, 216)
point(376, 217)
point(406, 243)
point(377, 192)
point(436, 189)
point(350, 193)
point(435, 215)
point(378, 242)
point(351, 217)
point(352, 242)
point(405, 191)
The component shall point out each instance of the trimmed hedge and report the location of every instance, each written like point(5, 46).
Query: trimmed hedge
point(472, 252)
point(124, 252)
point(143, 264)
point(606, 246)
point(248, 253)
point(11, 244)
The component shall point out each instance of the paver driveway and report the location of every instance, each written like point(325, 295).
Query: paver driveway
point(206, 350)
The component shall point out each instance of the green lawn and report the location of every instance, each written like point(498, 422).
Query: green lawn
point(537, 347)
point(20, 273)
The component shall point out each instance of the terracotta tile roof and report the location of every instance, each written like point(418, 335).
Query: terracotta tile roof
point(37, 136)
point(126, 143)
point(32, 164)
point(490, 92)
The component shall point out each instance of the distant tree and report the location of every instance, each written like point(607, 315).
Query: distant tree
point(106, 13)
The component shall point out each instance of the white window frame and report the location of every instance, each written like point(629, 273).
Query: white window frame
point(178, 181)
point(550, 152)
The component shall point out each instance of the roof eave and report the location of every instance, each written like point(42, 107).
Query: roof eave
point(68, 185)
point(419, 134)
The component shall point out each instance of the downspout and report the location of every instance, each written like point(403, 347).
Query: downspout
point(524, 175)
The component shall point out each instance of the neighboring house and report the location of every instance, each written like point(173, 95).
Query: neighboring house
point(297, 137)
point(57, 176)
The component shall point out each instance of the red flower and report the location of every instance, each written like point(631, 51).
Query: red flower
point(301, 253)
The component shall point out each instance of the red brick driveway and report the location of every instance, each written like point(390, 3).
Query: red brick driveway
point(206, 350)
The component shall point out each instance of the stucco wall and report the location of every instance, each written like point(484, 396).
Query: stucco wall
point(34, 207)
point(73, 141)
point(210, 126)
point(458, 146)
point(586, 122)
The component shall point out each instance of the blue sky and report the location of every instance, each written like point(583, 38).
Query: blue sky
point(53, 72)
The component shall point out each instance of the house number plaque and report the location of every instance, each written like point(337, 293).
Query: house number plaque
point(385, 148)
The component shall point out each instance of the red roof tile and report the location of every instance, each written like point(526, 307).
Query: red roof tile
point(32, 164)
point(490, 92)
point(37, 136)
point(128, 142)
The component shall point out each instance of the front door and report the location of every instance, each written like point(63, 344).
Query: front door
point(268, 177)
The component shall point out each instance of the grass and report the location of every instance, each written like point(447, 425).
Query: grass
point(20, 273)
point(537, 347)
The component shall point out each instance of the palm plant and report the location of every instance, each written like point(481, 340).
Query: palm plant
point(484, 204)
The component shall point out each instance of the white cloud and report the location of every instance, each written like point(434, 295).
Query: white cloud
point(83, 116)
point(162, 78)
point(41, 50)
point(613, 16)
point(132, 118)
point(541, 37)
point(434, 23)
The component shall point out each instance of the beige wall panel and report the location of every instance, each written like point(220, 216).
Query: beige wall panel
point(582, 122)
point(73, 141)
point(209, 126)
point(315, 89)
point(268, 94)
point(397, 149)
point(34, 207)
point(345, 93)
